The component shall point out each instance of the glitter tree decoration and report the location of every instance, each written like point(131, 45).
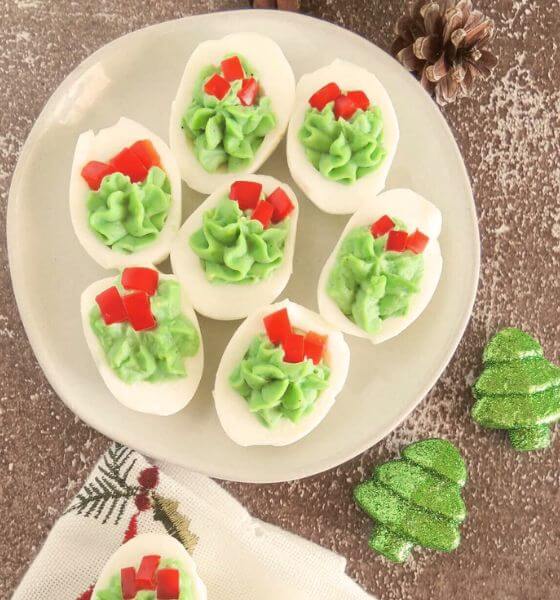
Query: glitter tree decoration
point(416, 500)
point(519, 390)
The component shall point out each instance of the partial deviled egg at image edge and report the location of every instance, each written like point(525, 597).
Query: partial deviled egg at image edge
point(131, 553)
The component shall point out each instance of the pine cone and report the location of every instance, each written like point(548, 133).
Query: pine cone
point(445, 43)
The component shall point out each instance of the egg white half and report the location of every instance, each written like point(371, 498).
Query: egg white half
point(102, 147)
point(331, 196)
point(161, 398)
point(130, 555)
point(227, 301)
point(276, 80)
point(417, 213)
point(242, 426)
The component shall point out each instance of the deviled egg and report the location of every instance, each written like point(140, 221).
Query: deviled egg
point(235, 251)
point(125, 195)
point(150, 566)
point(342, 136)
point(385, 268)
point(144, 338)
point(279, 375)
point(231, 109)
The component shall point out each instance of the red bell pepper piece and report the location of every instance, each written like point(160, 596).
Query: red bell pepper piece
point(326, 94)
point(314, 346)
point(246, 193)
point(111, 305)
point(145, 151)
point(139, 311)
point(232, 68)
point(128, 583)
point(141, 279)
point(294, 345)
point(263, 213)
point(396, 241)
point(382, 226)
point(128, 163)
point(417, 242)
point(94, 171)
point(217, 86)
point(281, 203)
point(344, 108)
point(248, 92)
point(277, 325)
point(359, 98)
point(146, 575)
point(167, 584)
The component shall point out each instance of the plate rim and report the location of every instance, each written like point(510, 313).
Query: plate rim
point(16, 264)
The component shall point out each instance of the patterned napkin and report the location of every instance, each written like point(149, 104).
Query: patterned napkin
point(237, 556)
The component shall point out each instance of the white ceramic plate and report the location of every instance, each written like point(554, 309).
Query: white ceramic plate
point(50, 270)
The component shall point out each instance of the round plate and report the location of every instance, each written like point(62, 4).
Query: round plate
point(137, 76)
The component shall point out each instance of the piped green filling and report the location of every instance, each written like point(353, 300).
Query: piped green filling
point(224, 133)
point(233, 248)
point(342, 150)
point(370, 284)
point(113, 590)
point(153, 355)
point(129, 216)
point(275, 389)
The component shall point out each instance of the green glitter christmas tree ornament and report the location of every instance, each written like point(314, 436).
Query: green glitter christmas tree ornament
point(416, 500)
point(519, 390)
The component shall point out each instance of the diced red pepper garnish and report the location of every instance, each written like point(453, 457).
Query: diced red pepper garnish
point(417, 242)
point(277, 325)
point(94, 172)
point(246, 193)
point(293, 345)
point(128, 163)
point(359, 98)
point(216, 86)
point(382, 226)
point(146, 575)
point(141, 279)
point(128, 583)
point(326, 94)
point(232, 68)
point(396, 241)
point(263, 213)
point(167, 584)
point(111, 305)
point(281, 203)
point(314, 346)
point(145, 151)
point(248, 92)
point(344, 107)
point(139, 311)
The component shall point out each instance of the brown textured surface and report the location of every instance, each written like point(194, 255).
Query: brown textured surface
point(509, 137)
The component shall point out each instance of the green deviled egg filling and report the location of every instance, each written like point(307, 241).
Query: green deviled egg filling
point(369, 283)
point(128, 216)
point(152, 355)
point(275, 389)
point(233, 248)
point(113, 590)
point(224, 133)
point(343, 150)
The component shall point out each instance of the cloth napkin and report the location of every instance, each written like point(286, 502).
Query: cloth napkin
point(238, 557)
